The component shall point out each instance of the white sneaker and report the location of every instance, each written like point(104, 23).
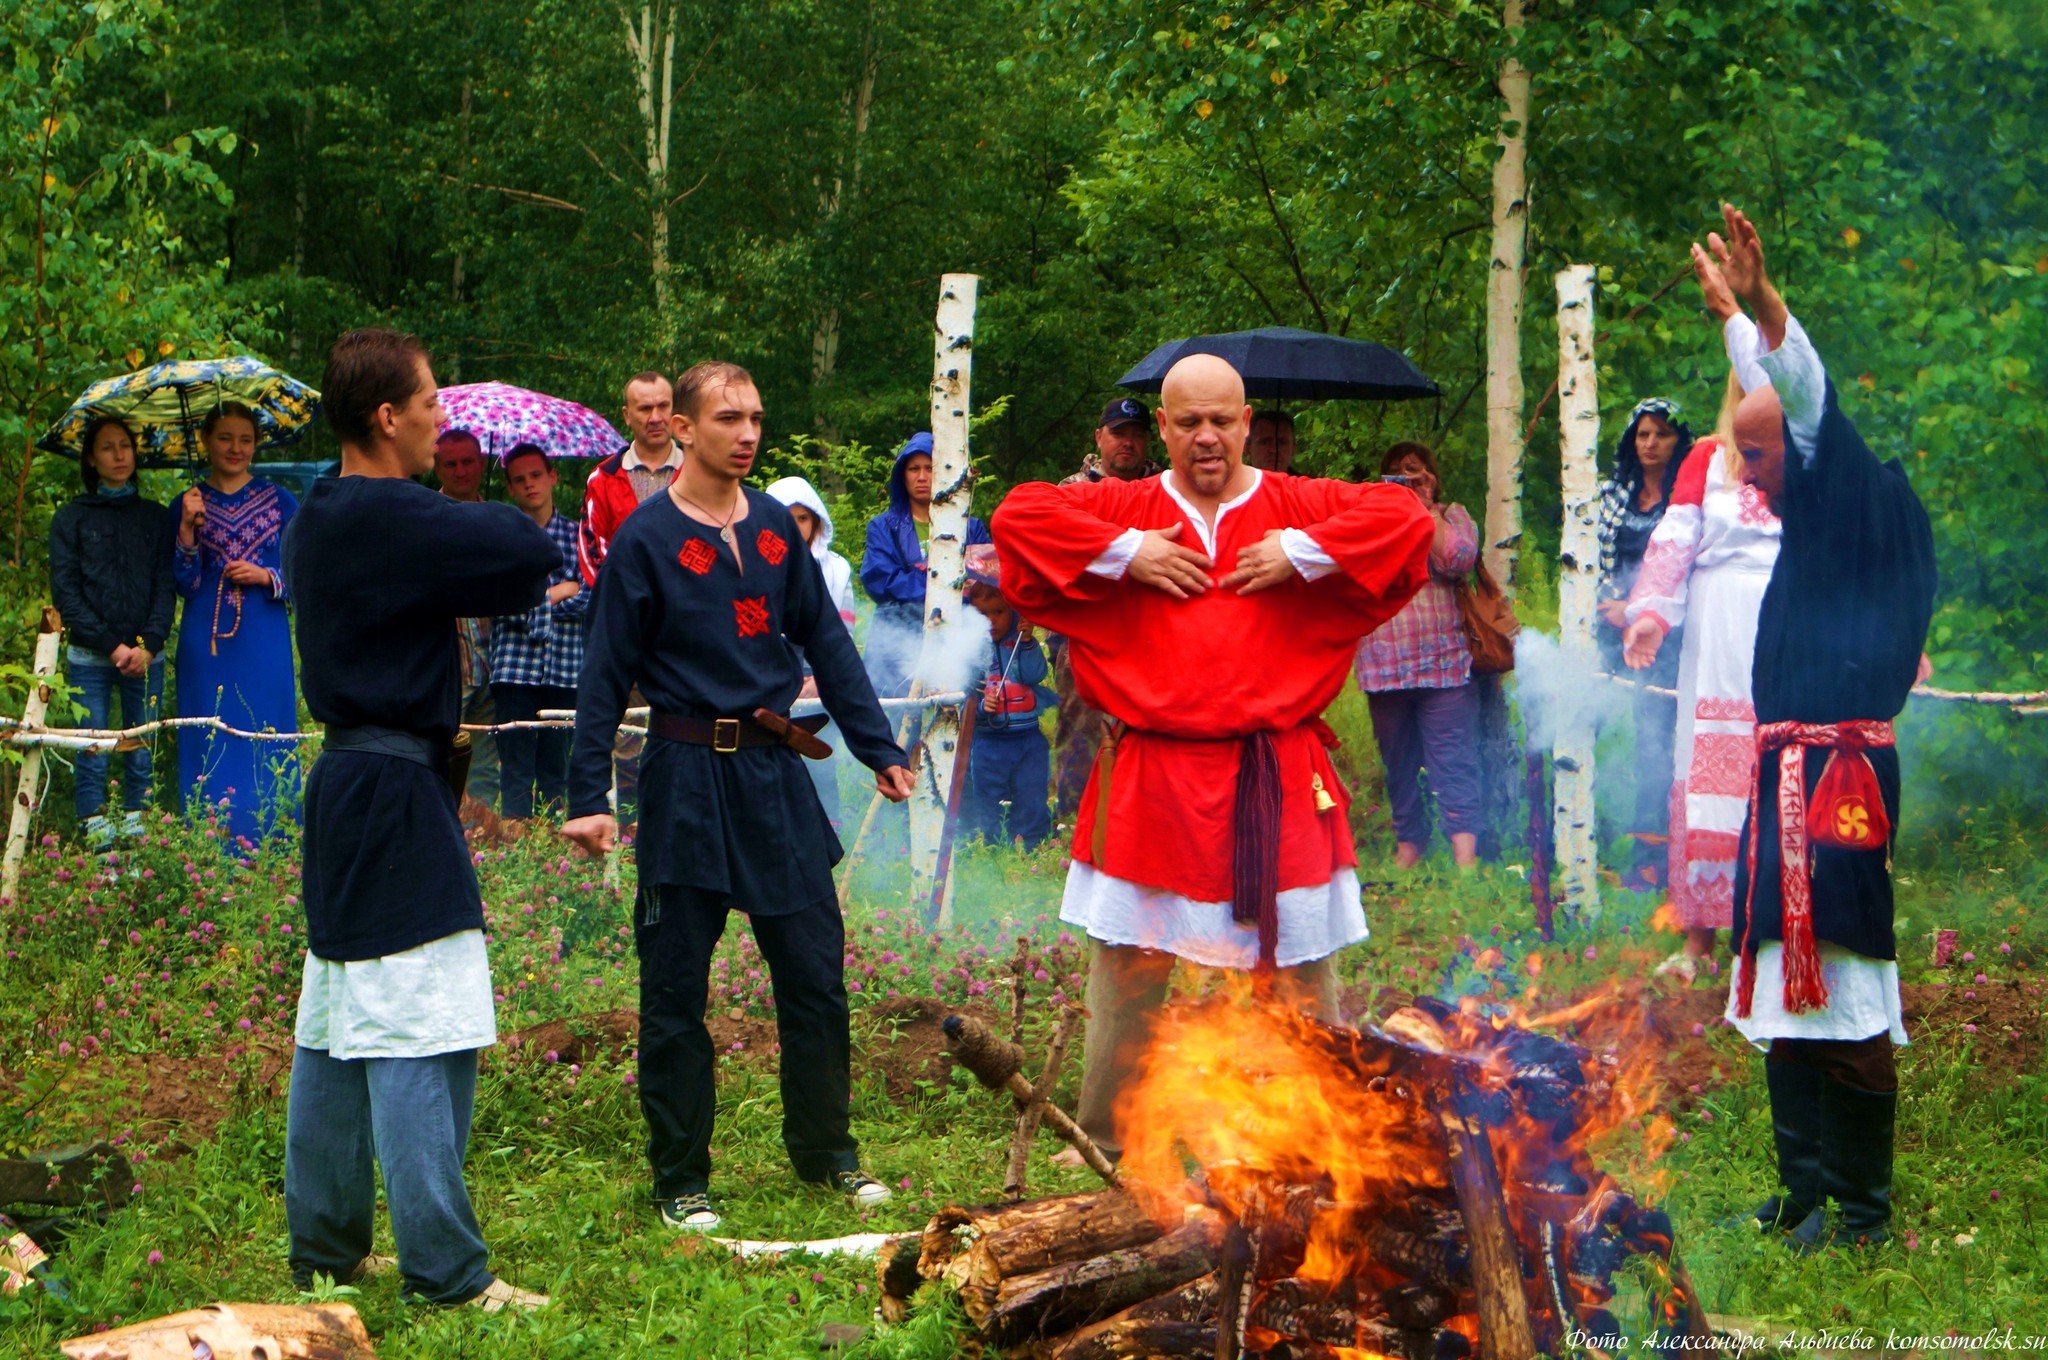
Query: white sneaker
point(690, 1213)
point(863, 1190)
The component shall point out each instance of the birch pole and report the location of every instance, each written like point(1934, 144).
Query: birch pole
point(1578, 581)
point(22, 814)
point(1504, 315)
point(945, 578)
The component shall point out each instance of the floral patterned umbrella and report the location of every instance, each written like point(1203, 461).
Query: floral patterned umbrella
point(503, 417)
point(165, 403)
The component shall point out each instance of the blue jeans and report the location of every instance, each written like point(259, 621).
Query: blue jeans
point(97, 682)
point(1013, 767)
point(411, 1116)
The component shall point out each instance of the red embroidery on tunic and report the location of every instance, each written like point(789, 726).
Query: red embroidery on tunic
point(751, 616)
point(1754, 510)
point(771, 547)
point(698, 556)
point(1722, 763)
point(1715, 709)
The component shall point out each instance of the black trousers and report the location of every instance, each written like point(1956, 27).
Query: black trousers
point(674, 933)
point(534, 760)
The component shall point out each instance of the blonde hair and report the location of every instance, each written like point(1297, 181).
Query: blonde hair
point(1724, 429)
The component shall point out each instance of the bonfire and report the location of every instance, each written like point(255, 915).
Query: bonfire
point(1425, 1189)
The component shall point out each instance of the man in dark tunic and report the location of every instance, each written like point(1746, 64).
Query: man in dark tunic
point(710, 603)
point(1838, 647)
point(397, 997)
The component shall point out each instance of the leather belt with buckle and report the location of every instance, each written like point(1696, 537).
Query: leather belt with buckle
point(726, 735)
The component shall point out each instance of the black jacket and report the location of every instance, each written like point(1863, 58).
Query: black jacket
point(110, 571)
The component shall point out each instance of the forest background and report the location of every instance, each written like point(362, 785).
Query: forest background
point(196, 178)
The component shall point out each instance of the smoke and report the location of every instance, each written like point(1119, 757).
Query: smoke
point(1560, 689)
point(943, 660)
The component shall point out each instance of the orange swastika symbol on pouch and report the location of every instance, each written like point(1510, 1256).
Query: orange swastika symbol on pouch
point(1852, 821)
point(751, 616)
point(697, 556)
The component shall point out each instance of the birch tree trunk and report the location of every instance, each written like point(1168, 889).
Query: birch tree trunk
point(27, 795)
point(651, 42)
point(1504, 316)
point(938, 664)
point(1578, 582)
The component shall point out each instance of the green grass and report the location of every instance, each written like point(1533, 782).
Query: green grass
point(183, 955)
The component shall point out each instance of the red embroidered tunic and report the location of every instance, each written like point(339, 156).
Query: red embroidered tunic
point(1191, 677)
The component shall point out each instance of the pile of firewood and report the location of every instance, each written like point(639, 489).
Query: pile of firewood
point(1501, 1238)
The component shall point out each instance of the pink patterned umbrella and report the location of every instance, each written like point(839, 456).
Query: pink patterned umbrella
point(502, 417)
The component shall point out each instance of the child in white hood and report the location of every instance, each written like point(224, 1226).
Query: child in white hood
point(807, 508)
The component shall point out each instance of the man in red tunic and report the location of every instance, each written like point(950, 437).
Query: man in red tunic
point(1212, 612)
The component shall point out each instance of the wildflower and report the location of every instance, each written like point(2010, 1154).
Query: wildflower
point(156, 1258)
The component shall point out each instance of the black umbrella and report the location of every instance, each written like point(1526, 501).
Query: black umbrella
point(1286, 363)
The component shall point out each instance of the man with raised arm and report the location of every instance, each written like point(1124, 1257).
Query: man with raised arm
point(711, 604)
point(1838, 646)
point(396, 999)
point(1212, 612)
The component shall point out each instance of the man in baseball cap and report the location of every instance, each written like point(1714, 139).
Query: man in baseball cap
point(1123, 444)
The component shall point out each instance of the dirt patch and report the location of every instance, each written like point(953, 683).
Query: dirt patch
point(903, 1043)
point(174, 1103)
point(615, 1034)
point(2011, 1026)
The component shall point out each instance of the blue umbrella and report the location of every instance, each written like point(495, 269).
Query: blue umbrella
point(1285, 363)
point(164, 405)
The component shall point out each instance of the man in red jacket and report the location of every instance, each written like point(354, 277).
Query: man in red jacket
point(617, 486)
point(1212, 613)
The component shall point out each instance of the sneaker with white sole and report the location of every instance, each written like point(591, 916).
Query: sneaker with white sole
point(691, 1213)
point(863, 1190)
point(501, 1296)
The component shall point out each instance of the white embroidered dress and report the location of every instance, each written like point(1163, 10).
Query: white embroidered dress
point(1706, 568)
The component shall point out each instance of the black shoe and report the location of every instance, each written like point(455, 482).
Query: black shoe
point(1856, 1164)
point(691, 1213)
point(1796, 1130)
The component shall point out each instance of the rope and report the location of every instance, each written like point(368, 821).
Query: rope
point(2028, 703)
point(15, 732)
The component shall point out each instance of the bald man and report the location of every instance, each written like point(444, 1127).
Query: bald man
point(1838, 646)
point(1212, 612)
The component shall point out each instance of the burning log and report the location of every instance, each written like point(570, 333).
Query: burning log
point(1421, 1191)
point(998, 1064)
point(1179, 1323)
point(1050, 1302)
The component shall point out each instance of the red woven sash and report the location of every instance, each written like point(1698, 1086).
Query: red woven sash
point(1848, 811)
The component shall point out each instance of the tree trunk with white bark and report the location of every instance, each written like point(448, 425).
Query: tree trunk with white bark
point(651, 42)
point(1504, 316)
point(1578, 582)
point(939, 666)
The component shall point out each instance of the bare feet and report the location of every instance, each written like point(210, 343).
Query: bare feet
point(1069, 1158)
point(1464, 849)
point(1407, 854)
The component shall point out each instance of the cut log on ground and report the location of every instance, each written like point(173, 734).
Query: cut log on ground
point(68, 1177)
point(235, 1331)
point(1049, 1303)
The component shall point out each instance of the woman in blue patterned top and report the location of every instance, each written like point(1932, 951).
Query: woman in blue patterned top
point(235, 644)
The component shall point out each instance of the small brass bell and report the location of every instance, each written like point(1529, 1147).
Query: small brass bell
point(1324, 802)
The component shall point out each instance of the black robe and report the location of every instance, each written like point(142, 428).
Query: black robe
point(380, 568)
point(1839, 637)
point(706, 636)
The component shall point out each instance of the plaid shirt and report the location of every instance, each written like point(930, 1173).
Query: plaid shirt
point(1424, 646)
point(544, 646)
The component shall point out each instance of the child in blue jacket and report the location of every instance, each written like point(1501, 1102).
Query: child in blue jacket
point(1010, 765)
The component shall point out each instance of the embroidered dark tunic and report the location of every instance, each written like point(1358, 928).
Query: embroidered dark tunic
point(707, 635)
point(381, 568)
point(1839, 637)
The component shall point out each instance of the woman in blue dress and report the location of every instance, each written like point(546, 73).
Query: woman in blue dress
point(235, 643)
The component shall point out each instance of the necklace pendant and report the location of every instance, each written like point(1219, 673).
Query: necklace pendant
point(728, 535)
